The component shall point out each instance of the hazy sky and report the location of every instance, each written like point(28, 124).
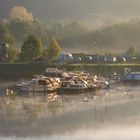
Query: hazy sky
point(50, 10)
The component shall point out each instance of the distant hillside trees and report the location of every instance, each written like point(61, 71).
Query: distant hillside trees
point(20, 21)
point(131, 52)
point(10, 51)
point(12, 54)
point(6, 35)
point(22, 24)
point(31, 49)
point(72, 35)
point(74, 29)
point(20, 14)
point(68, 30)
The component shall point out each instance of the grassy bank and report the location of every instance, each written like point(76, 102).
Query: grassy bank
point(27, 70)
point(105, 68)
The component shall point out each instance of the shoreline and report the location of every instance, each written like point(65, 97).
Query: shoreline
point(19, 71)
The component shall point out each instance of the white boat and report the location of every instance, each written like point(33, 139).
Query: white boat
point(131, 77)
point(56, 73)
point(71, 87)
point(76, 86)
point(38, 85)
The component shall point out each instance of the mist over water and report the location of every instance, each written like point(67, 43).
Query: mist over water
point(106, 115)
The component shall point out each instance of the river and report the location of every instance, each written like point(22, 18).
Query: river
point(112, 114)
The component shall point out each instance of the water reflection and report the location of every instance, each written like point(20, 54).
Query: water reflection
point(109, 114)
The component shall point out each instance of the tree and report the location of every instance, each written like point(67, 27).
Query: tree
point(31, 49)
point(12, 54)
point(20, 22)
point(131, 51)
point(7, 39)
point(5, 35)
point(20, 14)
point(54, 50)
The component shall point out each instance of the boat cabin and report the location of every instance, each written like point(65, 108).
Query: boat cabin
point(54, 72)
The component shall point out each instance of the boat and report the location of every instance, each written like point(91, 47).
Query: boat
point(76, 86)
point(42, 84)
point(71, 87)
point(78, 76)
point(56, 73)
point(131, 76)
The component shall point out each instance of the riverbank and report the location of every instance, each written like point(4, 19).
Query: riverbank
point(17, 71)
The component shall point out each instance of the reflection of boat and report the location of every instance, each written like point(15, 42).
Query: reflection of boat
point(38, 85)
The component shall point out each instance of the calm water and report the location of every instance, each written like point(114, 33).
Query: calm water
point(107, 115)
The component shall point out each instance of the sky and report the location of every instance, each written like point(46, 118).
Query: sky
point(84, 10)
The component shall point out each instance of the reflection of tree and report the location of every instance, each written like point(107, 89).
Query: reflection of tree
point(21, 109)
point(33, 110)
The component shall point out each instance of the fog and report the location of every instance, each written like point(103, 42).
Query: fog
point(52, 10)
point(107, 114)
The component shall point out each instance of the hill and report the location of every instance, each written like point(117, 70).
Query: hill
point(117, 38)
point(73, 36)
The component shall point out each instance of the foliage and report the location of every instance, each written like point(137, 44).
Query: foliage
point(5, 35)
point(131, 51)
point(12, 55)
point(74, 29)
point(22, 24)
point(73, 35)
point(31, 49)
point(7, 38)
point(20, 30)
point(53, 50)
point(39, 28)
point(20, 14)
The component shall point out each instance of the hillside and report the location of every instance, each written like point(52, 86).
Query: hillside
point(117, 38)
point(73, 36)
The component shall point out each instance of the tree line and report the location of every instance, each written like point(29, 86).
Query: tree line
point(22, 31)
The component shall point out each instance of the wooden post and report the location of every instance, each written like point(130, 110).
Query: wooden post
point(33, 90)
point(27, 91)
point(44, 90)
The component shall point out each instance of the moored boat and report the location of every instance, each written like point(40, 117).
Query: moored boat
point(130, 77)
point(56, 73)
point(69, 87)
point(73, 87)
point(38, 85)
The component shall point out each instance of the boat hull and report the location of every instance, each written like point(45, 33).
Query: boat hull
point(35, 88)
